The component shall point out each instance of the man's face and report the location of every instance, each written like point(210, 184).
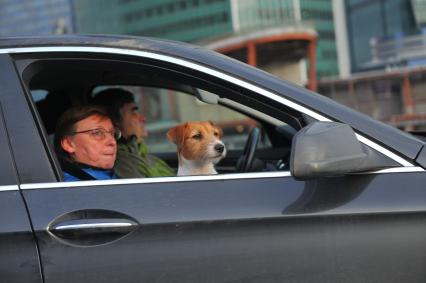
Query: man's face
point(133, 122)
point(92, 148)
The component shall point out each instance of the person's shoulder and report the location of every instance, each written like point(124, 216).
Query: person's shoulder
point(128, 145)
point(100, 174)
point(70, 178)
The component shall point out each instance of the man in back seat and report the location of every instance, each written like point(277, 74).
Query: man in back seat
point(133, 158)
point(85, 143)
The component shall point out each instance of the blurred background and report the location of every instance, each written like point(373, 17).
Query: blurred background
point(367, 54)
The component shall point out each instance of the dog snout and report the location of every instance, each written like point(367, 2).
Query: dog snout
point(219, 147)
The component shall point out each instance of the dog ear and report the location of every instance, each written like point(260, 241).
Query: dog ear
point(176, 134)
point(171, 134)
point(218, 128)
point(220, 132)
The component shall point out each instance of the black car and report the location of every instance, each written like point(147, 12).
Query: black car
point(326, 194)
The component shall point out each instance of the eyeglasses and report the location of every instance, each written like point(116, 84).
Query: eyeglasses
point(100, 134)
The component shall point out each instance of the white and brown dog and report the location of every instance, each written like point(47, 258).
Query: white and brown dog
point(199, 147)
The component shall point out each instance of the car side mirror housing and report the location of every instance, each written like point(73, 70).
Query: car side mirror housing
point(326, 149)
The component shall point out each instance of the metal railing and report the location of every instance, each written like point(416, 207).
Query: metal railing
point(398, 50)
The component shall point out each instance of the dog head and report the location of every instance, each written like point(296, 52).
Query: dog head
point(198, 141)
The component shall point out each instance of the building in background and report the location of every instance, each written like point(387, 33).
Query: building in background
point(367, 54)
point(184, 20)
point(370, 22)
point(35, 17)
point(387, 44)
point(320, 14)
point(211, 21)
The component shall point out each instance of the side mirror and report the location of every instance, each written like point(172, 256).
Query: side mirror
point(325, 149)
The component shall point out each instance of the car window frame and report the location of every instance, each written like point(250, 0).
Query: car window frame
point(23, 64)
point(23, 132)
point(220, 75)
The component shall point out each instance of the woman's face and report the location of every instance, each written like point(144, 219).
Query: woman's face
point(93, 142)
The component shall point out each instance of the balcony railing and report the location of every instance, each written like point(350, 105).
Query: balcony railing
point(399, 51)
point(249, 15)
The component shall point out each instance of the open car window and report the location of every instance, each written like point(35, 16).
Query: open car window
point(166, 97)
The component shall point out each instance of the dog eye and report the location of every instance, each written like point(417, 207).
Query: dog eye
point(197, 136)
point(216, 134)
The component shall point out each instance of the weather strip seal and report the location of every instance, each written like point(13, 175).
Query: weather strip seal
point(206, 70)
point(219, 177)
point(9, 188)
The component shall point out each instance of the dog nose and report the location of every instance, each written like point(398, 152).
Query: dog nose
point(219, 147)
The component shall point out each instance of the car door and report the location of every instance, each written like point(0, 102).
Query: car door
point(18, 250)
point(250, 227)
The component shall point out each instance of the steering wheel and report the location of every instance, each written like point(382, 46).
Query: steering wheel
point(246, 160)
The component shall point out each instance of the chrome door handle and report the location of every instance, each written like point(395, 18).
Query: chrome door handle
point(112, 225)
point(91, 227)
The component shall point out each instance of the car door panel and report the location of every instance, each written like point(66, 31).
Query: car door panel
point(18, 251)
point(259, 229)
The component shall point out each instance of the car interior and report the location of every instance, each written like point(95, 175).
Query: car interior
point(256, 134)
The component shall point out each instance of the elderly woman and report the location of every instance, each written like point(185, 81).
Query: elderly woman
point(85, 143)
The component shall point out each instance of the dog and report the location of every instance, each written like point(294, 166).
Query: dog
point(199, 147)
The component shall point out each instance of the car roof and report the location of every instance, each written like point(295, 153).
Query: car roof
point(399, 141)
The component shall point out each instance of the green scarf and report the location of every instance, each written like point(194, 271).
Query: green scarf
point(133, 161)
